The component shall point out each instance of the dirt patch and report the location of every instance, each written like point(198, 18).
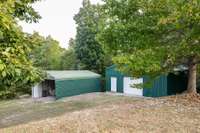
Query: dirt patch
point(185, 99)
point(125, 115)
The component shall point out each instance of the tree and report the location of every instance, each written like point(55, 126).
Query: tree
point(153, 37)
point(71, 44)
point(16, 68)
point(87, 49)
point(68, 59)
point(23, 10)
point(48, 55)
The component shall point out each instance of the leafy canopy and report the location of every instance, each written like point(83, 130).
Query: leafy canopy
point(151, 36)
point(16, 68)
point(48, 55)
point(87, 49)
point(68, 59)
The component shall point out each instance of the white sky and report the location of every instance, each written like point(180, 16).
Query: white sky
point(57, 19)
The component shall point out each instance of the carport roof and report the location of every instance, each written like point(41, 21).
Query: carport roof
point(76, 74)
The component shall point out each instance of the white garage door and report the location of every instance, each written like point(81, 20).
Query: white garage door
point(113, 84)
point(129, 82)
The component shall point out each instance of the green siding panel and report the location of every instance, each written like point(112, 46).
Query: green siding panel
point(112, 72)
point(164, 85)
point(65, 88)
point(158, 88)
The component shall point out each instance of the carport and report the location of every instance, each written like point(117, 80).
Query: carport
point(67, 83)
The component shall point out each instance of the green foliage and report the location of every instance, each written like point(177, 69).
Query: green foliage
point(150, 36)
point(48, 55)
point(16, 68)
point(7, 94)
point(23, 10)
point(68, 59)
point(88, 51)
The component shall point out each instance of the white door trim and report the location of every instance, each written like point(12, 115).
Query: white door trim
point(113, 81)
point(128, 89)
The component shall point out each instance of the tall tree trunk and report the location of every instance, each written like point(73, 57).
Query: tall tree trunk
point(192, 77)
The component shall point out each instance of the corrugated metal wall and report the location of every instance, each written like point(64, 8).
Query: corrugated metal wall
point(166, 85)
point(158, 87)
point(162, 86)
point(111, 72)
point(65, 88)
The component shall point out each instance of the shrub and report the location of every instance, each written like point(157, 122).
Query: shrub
point(7, 94)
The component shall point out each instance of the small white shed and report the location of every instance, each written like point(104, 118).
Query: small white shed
point(37, 91)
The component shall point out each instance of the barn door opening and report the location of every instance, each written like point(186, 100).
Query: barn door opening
point(48, 88)
point(113, 84)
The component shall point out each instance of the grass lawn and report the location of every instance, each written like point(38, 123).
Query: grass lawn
point(102, 113)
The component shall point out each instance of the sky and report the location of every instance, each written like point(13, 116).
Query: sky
point(57, 19)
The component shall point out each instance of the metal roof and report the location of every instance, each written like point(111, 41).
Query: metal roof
point(75, 74)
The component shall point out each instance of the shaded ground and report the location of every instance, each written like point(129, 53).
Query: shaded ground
point(103, 113)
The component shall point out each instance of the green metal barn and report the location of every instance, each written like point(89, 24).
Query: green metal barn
point(67, 83)
point(162, 86)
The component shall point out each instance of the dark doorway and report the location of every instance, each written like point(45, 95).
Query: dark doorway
point(48, 88)
point(177, 83)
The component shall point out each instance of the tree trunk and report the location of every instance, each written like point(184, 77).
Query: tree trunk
point(192, 77)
